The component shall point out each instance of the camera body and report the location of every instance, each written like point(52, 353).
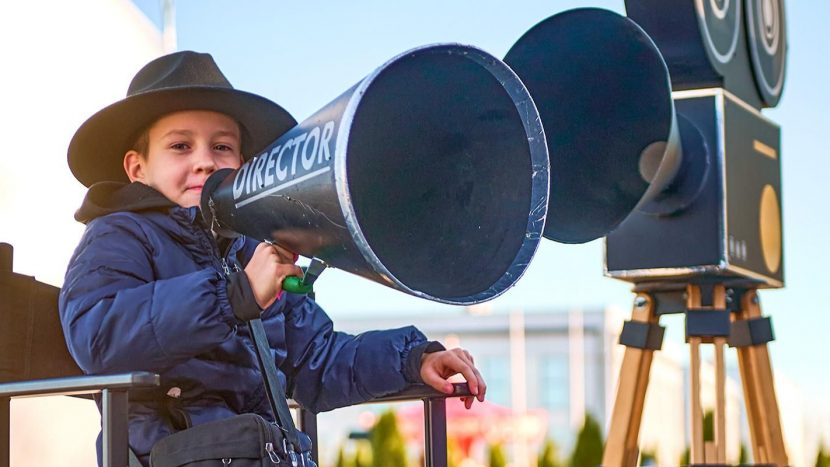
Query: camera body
point(732, 230)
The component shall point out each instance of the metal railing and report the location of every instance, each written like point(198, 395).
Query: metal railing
point(114, 397)
point(114, 390)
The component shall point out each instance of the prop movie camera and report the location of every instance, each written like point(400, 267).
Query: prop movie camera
point(720, 216)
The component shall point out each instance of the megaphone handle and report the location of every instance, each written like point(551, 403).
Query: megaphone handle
point(304, 285)
point(295, 284)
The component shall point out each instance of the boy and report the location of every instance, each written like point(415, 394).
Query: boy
point(149, 287)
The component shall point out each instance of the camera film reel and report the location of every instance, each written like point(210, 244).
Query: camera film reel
point(720, 26)
point(767, 42)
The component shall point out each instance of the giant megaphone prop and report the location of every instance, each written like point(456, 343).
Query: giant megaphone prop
point(429, 176)
point(604, 95)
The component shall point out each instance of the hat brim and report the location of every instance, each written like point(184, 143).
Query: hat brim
point(96, 152)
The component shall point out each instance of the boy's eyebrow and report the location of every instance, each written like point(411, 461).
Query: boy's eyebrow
point(190, 133)
point(227, 133)
point(177, 132)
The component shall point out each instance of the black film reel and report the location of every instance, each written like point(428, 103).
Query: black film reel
point(767, 40)
point(720, 25)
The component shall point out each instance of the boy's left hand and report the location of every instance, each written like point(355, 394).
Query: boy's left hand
point(437, 367)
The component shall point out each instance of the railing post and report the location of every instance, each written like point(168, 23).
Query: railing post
point(115, 438)
point(435, 432)
point(5, 431)
point(435, 419)
point(6, 257)
point(308, 425)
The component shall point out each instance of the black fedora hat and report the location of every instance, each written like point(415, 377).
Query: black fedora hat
point(179, 81)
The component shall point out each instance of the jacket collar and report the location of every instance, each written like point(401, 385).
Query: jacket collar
point(108, 197)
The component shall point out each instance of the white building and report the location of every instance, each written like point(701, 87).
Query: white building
point(570, 361)
point(62, 61)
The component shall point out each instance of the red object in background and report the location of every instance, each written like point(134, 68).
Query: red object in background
point(482, 421)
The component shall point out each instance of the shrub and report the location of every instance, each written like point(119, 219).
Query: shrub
point(588, 449)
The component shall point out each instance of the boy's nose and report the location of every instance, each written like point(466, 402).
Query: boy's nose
point(204, 161)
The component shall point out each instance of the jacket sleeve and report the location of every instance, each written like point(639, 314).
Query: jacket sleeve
point(117, 317)
point(327, 369)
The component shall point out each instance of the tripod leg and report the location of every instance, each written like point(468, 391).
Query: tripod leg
point(702, 452)
point(720, 401)
point(759, 393)
point(697, 451)
point(750, 384)
point(621, 447)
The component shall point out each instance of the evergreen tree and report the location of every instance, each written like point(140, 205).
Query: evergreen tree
point(588, 449)
point(743, 457)
point(388, 448)
point(822, 459)
point(549, 456)
point(686, 457)
point(341, 459)
point(648, 457)
point(709, 426)
point(363, 455)
point(497, 458)
point(708, 435)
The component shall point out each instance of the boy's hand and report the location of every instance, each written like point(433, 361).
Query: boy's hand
point(437, 367)
point(266, 270)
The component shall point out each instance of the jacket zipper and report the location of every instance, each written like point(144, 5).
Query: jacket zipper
point(226, 268)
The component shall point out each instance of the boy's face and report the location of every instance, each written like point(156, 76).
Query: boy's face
point(184, 149)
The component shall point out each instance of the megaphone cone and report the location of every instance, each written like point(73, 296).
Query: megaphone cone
point(429, 176)
point(604, 95)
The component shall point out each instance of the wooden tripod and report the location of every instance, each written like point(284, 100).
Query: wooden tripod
point(708, 320)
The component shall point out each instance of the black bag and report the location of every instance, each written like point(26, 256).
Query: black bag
point(246, 440)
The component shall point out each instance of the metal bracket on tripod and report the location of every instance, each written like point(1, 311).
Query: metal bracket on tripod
point(642, 335)
point(752, 331)
point(705, 322)
point(710, 319)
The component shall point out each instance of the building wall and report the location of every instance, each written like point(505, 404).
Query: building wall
point(61, 62)
point(571, 365)
point(548, 361)
point(801, 441)
point(551, 355)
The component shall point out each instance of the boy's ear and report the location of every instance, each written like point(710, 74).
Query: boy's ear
point(134, 166)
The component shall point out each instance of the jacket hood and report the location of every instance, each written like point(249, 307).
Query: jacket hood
point(108, 197)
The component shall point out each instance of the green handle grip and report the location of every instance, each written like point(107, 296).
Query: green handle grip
point(294, 284)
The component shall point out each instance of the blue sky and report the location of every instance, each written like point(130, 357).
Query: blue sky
point(304, 54)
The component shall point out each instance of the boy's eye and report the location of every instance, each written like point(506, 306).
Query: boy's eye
point(179, 146)
point(223, 147)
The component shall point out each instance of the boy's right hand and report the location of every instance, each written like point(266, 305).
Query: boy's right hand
point(266, 270)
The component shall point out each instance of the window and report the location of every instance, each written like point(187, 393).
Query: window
point(554, 390)
point(496, 372)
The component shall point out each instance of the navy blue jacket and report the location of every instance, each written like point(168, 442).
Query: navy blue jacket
point(146, 289)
